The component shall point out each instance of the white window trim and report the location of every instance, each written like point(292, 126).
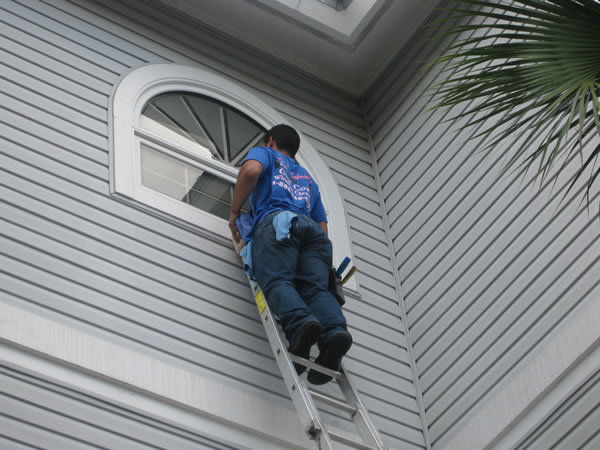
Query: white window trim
point(137, 87)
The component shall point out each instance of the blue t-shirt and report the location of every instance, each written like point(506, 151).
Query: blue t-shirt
point(283, 185)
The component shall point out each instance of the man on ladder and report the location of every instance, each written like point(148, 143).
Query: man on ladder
point(290, 250)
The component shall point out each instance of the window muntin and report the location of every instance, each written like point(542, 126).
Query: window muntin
point(203, 131)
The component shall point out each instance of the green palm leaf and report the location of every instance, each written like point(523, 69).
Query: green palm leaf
point(534, 67)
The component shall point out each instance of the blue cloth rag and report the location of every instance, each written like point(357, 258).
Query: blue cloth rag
point(281, 223)
point(244, 224)
point(246, 255)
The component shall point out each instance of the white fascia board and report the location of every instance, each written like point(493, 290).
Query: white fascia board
point(128, 377)
point(558, 368)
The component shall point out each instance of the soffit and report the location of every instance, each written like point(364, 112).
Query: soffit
point(347, 48)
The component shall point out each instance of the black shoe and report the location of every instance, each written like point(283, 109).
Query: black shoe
point(307, 336)
point(331, 357)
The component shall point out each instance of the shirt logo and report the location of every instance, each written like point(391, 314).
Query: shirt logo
point(297, 185)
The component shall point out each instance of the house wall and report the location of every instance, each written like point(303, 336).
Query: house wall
point(47, 414)
point(140, 287)
point(574, 424)
point(493, 274)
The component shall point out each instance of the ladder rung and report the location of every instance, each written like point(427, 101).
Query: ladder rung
point(348, 439)
point(333, 402)
point(315, 366)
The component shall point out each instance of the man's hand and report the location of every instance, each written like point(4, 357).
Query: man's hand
point(323, 226)
point(235, 232)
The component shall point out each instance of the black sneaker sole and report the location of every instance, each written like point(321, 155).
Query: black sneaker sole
point(308, 336)
point(331, 358)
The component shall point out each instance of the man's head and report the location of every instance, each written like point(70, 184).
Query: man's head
point(285, 138)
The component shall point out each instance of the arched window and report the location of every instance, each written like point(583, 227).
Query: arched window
point(178, 136)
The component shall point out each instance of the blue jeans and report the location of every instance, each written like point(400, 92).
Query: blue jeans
point(294, 276)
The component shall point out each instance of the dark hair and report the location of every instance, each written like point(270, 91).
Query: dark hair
point(286, 138)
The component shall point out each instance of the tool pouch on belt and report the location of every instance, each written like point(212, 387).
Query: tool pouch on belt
point(336, 287)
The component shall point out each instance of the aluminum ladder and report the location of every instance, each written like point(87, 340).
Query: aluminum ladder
point(304, 398)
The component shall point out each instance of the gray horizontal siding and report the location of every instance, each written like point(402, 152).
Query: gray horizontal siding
point(72, 252)
point(488, 267)
point(37, 413)
point(574, 424)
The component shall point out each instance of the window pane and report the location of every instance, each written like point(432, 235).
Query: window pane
point(219, 131)
point(242, 133)
point(166, 174)
point(186, 183)
point(173, 112)
point(209, 113)
point(205, 127)
point(211, 194)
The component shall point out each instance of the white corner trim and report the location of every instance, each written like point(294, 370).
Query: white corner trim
point(121, 373)
point(137, 87)
point(557, 369)
point(398, 285)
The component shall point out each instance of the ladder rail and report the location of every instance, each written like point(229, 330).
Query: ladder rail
point(303, 402)
point(361, 419)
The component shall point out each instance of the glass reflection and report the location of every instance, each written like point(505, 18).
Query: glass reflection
point(182, 181)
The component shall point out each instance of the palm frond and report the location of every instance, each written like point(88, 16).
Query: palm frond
point(530, 67)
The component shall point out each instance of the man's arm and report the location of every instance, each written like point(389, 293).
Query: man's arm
point(246, 182)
